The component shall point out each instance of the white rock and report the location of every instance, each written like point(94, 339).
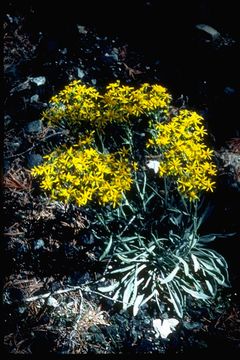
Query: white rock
point(52, 302)
point(39, 80)
point(164, 327)
point(153, 164)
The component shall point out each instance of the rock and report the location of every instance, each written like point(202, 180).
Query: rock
point(34, 127)
point(192, 325)
point(63, 51)
point(87, 239)
point(51, 301)
point(21, 87)
point(6, 166)
point(228, 90)
point(39, 80)
point(13, 295)
point(11, 71)
point(81, 29)
point(113, 56)
point(80, 73)
point(34, 98)
point(209, 30)
point(34, 160)
point(15, 145)
point(22, 309)
point(94, 81)
point(38, 244)
point(7, 121)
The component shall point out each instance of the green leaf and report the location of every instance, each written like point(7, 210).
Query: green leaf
point(195, 294)
point(128, 238)
point(107, 248)
point(196, 264)
point(174, 220)
point(108, 288)
point(149, 198)
point(185, 265)
point(125, 260)
point(211, 285)
point(137, 304)
point(127, 293)
point(137, 282)
point(170, 276)
point(175, 300)
point(116, 295)
point(135, 290)
point(148, 297)
point(147, 282)
point(207, 238)
point(130, 267)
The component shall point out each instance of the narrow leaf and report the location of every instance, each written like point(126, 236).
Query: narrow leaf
point(207, 238)
point(175, 301)
point(185, 265)
point(170, 276)
point(108, 288)
point(127, 293)
point(196, 264)
point(137, 304)
point(195, 294)
point(107, 249)
point(130, 267)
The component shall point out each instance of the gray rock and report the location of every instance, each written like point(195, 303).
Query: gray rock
point(94, 81)
point(63, 51)
point(34, 127)
point(34, 160)
point(34, 98)
point(81, 29)
point(38, 244)
point(39, 80)
point(80, 73)
point(7, 121)
point(214, 34)
point(11, 71)
point(228, 90)
point(15, 145)
point(51, 301)
point(6, 166)
point(192, 325)
point(113, 54)
point(22, 309)
point(21, 87)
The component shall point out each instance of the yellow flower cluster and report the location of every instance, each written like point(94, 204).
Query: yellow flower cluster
point(75, 104)
point(81, 174)
point(78, 103)
point(121, 102)
point(184, 156)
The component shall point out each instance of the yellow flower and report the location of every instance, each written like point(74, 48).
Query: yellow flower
point(82, 175)
point(184, 156)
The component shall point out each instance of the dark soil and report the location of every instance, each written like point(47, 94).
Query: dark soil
point(46, 247)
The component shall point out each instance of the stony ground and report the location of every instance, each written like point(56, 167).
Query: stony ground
point(47, 249)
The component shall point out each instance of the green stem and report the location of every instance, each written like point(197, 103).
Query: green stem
point(101, 140)
point(165, 192)
point(195, 227)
